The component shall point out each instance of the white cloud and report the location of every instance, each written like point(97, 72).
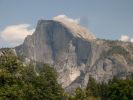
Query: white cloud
point(15, 34)
point(132, 40)
point(65, 18)
point(74, 26)
point(124, 38)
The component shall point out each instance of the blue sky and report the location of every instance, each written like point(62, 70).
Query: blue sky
point(109, 19)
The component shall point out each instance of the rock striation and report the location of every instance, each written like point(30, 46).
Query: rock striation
point(76, 53)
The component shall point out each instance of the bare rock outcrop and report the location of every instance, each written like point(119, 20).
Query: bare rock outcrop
point(76, 53)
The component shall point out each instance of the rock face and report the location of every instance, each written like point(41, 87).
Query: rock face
point(76, 53)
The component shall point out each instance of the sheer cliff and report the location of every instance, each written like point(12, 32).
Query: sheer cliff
point(76, 53)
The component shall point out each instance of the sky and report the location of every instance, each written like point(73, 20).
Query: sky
point(106, 19)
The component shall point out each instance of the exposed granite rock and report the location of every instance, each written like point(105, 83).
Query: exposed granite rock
point(75, 57)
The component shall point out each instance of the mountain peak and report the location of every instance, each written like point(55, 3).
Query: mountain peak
point(75, 27)
point(72, 25)
point(67, 46)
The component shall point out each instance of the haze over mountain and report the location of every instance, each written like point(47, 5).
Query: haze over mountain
point(76, 53)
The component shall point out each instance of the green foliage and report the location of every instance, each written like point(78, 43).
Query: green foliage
point(9, 61)
point(19, 82)
point(121, 89)
point(92, 87)
point(117, 50)
point(116, 89)
point(80, 94)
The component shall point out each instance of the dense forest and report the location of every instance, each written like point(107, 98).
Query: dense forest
point(21, 82)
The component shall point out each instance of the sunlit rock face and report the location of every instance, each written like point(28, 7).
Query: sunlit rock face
point(76, 29)
point(75, 53)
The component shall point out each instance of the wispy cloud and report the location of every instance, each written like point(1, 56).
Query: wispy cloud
point(15, 34)
point(65, 18)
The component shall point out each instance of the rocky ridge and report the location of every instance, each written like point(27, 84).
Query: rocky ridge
point(76, 53)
